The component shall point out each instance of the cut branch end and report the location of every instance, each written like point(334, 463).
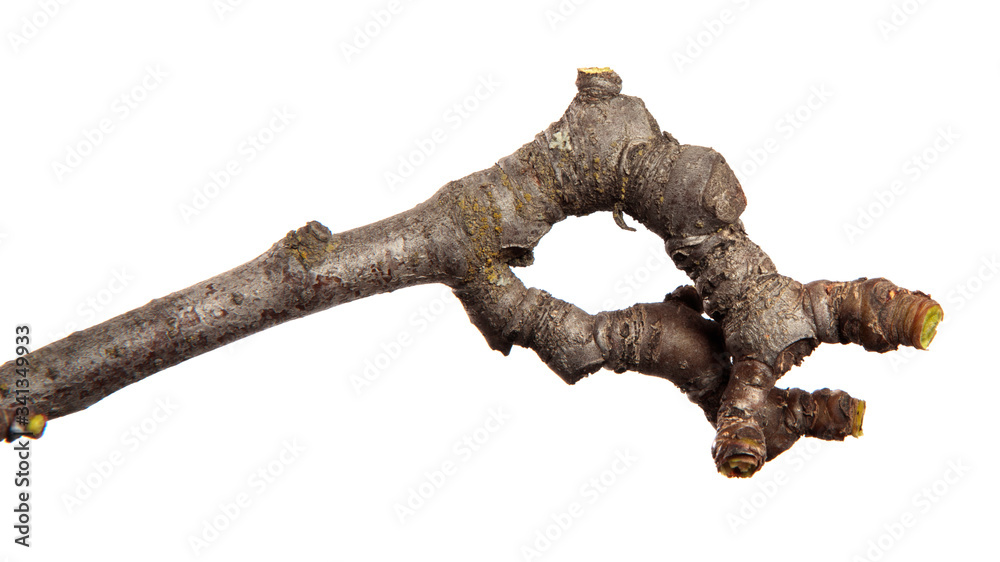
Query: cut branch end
point(858, 419)
point(928, 328)
point(740, 466)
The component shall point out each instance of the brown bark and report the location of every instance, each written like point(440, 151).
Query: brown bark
point(605, 153)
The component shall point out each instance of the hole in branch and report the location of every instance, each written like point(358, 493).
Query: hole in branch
point(592, 263)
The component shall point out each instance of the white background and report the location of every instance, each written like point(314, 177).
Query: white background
point(890, 89)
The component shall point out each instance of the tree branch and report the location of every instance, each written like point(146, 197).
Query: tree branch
point(606, 153)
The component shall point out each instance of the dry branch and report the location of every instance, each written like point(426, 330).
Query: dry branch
point(606, 153)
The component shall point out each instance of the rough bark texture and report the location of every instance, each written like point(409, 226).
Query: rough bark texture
point(606, 153)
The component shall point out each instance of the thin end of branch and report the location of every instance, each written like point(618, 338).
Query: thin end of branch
point(874, 313)
point(739, 433)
